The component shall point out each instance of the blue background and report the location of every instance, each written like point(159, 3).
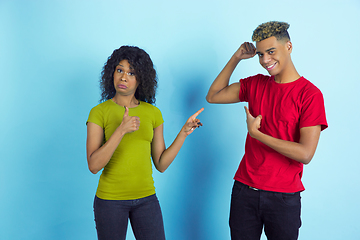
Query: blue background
point(51, 56)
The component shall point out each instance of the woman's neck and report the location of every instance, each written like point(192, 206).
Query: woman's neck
point(126, 101)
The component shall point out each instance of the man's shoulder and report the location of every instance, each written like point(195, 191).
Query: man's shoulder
point(308, 86)
point(260, 77)
point(256, 80)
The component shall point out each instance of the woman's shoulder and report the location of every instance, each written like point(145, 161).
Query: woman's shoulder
point(148, 106)
point(150, 109)
point(106, 103)
point(103, 105)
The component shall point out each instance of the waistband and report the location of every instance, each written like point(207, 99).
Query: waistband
point(256, 189)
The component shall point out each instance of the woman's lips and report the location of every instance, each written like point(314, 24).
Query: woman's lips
point(122, 86)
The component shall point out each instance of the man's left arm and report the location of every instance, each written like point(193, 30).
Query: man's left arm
point(303, 151)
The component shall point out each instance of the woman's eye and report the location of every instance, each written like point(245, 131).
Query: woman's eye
point(131, 74)
point(119, 70)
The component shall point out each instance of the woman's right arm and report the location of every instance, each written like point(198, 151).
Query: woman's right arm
point(99, 154)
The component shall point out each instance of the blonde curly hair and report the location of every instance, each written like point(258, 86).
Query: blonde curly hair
point(269, 29)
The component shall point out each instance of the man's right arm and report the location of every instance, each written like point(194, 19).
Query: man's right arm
point(220, 91)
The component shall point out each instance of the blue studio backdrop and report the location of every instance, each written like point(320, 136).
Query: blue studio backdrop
point(51, 56)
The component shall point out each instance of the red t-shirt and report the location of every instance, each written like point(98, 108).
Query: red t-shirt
point(285, 108)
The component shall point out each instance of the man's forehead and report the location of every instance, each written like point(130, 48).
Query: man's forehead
point(268, 43)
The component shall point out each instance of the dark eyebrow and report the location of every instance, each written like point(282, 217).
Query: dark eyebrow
point(268, 50)
point(131, 68)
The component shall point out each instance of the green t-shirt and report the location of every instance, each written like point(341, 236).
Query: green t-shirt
point(128, 175)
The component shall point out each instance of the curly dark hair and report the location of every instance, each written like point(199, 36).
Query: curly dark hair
point(269, 29)
point(144, 72)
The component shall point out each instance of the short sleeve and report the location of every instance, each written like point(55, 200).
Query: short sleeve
point(96, 116)
point(248, 86)
point(158, 119)
point(313, 111)
point(243, 92)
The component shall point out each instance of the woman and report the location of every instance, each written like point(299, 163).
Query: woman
point(123, 133)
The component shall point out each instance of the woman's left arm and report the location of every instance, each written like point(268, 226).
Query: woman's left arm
point(162, 156)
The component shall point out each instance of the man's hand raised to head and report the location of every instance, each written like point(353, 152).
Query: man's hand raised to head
point(245, 51)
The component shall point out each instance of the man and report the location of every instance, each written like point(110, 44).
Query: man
point(285, 117)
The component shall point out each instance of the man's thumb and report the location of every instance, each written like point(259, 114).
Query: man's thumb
point(246, 110)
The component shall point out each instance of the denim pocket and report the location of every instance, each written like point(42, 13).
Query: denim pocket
point(289, 199)
point(237, 189)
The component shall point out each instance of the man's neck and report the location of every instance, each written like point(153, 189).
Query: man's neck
point(287, 75)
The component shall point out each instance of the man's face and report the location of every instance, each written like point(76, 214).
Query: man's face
point(274, 55)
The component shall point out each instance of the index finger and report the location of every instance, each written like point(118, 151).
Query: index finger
point(196, 114)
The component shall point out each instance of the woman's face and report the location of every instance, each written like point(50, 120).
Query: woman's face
point(125, 82)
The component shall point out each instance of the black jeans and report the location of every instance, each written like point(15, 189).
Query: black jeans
point(252, 210)
point(112, 216)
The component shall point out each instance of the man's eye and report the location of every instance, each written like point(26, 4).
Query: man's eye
point(271, 52)
point(260, 54)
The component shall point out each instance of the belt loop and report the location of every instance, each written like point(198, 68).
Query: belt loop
point(253, 188)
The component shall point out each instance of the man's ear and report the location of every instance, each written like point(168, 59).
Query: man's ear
point(289, 46)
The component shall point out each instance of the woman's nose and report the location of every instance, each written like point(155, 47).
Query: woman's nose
point(124, 77)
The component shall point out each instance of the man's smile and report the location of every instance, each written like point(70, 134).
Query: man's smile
point(270, 67)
